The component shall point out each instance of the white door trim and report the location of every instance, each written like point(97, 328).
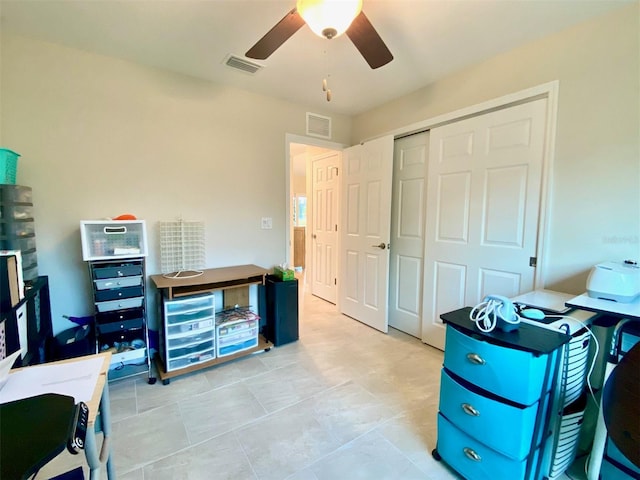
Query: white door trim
point(550, 91)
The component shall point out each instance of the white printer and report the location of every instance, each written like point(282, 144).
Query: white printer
point(615, 281)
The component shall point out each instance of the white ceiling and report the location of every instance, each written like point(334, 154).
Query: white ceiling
point(428, 38)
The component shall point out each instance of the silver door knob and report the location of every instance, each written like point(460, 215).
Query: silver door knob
point(381, 246)
point(313, 236)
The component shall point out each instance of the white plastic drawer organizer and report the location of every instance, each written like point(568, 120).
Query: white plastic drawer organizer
point(108, 240)
point(236, 331)
point(190, 331)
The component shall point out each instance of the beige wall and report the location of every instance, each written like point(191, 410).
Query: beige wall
point(595, 196)
point(100, 137)
point(299, 180)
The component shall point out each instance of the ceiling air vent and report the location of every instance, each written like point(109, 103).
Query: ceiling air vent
point(242, 64)
point(318, 125)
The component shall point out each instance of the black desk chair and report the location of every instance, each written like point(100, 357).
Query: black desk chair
point(621, 405)
point(33, 431)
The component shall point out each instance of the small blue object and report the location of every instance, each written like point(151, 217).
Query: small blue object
point(75, 474)
point(533, 314)
point(8, 166)
point(82, 321)
point(507, 326)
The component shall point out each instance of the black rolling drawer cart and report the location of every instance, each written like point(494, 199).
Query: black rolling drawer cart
point(115, 252)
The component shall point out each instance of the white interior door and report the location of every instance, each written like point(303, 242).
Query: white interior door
point(410, 158)
point(324, 226)
point(483, 200)
point(366, 220)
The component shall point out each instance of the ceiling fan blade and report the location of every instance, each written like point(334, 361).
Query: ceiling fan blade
point(368, 42)
point(275, 37)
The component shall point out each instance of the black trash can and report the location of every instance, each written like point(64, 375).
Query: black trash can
point(281, 310)
point(73, 342)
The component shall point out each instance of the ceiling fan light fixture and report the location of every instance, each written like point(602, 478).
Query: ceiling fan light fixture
point(329, 18)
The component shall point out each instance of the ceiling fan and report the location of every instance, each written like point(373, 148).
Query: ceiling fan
point(328, 19)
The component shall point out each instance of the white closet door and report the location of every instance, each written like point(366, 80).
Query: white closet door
point(483, 203)
point(366, 219)
point(410, 158)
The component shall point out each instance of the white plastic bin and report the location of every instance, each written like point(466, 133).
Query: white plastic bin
point(107, 240)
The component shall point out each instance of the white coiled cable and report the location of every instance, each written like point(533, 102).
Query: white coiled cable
point(486, 315)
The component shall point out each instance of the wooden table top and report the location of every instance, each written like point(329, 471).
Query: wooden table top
point(211, 276)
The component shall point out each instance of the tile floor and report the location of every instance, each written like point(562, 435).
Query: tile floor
point(343, 402)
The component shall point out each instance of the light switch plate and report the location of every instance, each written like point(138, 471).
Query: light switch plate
point(267, 223)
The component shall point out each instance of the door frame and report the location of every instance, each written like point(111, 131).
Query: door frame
point(547, 90)
point(312, 142)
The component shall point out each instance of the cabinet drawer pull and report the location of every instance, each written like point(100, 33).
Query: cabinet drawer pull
point(475, 358)
point(470, 410)
point(115, 230)
point(472, 455)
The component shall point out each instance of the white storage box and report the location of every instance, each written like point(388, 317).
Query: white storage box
point(128, 357)
point(236, 331)
point(108, 240)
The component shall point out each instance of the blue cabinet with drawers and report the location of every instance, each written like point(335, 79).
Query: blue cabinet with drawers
point(499, 395)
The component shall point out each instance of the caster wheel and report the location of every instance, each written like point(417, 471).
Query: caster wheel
point(267, 349)
point(152, 381)
point(166, 381)
point(436, 455)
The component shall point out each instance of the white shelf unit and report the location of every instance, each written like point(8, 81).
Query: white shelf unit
point(189, 333)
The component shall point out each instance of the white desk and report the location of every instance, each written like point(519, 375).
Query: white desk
point(626, 312)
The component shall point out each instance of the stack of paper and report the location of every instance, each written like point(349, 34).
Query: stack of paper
point(5, 366)
point(76, 379)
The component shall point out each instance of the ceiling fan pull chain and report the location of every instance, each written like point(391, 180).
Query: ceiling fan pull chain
point(325, 81)
point(325, 88)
